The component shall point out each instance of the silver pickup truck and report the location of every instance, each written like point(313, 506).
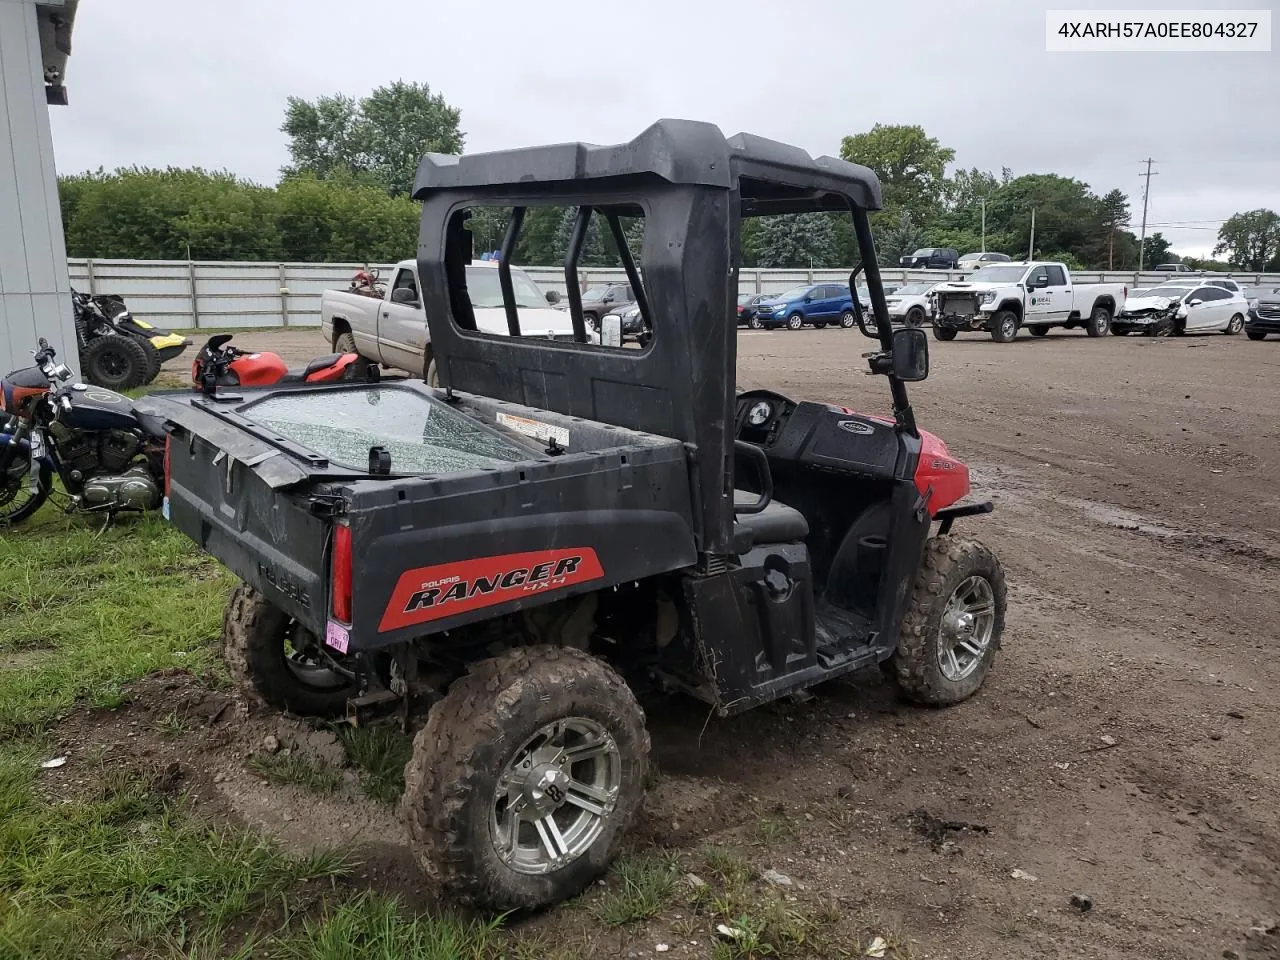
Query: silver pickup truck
point(393, 330)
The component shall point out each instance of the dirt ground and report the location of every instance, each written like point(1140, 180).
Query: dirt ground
point(1126, 747)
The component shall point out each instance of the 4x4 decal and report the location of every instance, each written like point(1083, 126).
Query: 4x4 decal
point(443, 590)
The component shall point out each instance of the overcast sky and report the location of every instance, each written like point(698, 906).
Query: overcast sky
point(158, 82)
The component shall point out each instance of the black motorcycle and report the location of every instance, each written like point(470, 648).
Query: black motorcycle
point(109, 457)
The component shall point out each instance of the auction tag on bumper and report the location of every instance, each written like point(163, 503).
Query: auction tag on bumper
point(337, 636)
point(535, 428)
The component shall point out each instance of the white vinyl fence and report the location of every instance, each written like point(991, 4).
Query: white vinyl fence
point(184, 296)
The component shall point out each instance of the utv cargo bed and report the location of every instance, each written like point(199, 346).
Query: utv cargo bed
point(404, 480)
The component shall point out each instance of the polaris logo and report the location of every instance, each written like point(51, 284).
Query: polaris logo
point(856, 426)
point(444, 590)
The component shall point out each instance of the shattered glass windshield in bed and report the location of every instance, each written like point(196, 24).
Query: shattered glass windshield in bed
point(422, 435)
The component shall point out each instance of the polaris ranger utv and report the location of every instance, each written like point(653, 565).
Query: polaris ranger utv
point(500, 552)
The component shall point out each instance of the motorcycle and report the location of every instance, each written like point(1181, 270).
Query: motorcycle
point(218, 364)
point(108, 455)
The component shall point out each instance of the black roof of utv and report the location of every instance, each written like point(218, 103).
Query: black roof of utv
point(677, 151)
point(693, 186)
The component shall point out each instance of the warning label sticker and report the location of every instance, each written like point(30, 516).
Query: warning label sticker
point(545, 432)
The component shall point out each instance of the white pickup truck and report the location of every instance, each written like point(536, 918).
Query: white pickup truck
point(393, 330)
point(1037, 295)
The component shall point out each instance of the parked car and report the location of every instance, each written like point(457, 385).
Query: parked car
point(932, 258)
point(1005, 297)
point(1264, 312)
point(911, 304)
point(631, 322)
point(747, 313)
point(601, 298)
point(1172, 268)
point(813, 305)
point(975, 261)
point(393, 331)
point(1177, 308)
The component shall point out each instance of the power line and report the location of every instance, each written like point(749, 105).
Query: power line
point(1146, 192)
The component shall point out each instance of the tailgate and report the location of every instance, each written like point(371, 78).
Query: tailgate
point(269, 537)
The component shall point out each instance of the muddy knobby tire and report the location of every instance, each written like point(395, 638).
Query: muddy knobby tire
point(948, 561)
point(470, 738)
point(254, 631)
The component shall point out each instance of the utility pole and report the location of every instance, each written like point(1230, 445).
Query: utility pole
point(983, 201)
point(1031, 247)
point(1146, 192)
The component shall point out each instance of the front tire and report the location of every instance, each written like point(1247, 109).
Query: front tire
point(273, 658)
point(1234, 326)
point(1099, 322)
point(847, 320)
point(943, 333)
point(14, 506)
point(1255, 334)
point(915, 317)
point(1004, 326)
point(953, 626)
point(115, 361)
point(1039, 330)
point(153, 360)
point(795, 321)
point(526, 777)
point(755, 324)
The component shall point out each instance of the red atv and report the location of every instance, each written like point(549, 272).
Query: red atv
point(218, 364)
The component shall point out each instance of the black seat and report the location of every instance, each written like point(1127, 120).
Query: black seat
point(319, 363)
point(776, 523)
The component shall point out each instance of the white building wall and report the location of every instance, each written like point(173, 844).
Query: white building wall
point(35, 293)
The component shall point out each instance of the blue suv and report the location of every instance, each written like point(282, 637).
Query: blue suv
point(815, 305)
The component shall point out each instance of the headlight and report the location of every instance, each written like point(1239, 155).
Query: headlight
point(987, 296)
point(631, 314)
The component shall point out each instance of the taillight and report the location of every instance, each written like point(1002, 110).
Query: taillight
point(340, 574)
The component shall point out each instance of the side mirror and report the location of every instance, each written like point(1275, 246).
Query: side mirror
point(553, 296)
point(611, 330)
point(1194, 303)
point(810, 297)
point(404, 295)
point(910, 354)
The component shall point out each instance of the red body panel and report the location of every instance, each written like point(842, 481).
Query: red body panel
point(335, 371)
point(259, 369)
point(937, 469)
point(430, 593)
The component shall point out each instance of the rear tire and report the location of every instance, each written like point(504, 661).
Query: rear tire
point(153, 359)
point(510, 721)
point(360, 369)
point(345, 343)
point(943, 333)
point(1004, 326)
point(942, 658)
point(258, 646)
point(115, 361)
point(847, 320)
point(1255, 334)
point(1039, 330)
point(795, 321)
point(1234, 326)
point(1099, 322)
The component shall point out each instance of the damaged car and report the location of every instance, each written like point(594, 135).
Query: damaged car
point(1173, 309)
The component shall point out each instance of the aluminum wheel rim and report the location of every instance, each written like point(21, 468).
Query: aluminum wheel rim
point(555, 796)
point(1234, 324)
point(795, 323)
point(968, 622)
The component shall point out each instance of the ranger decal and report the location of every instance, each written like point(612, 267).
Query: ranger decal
point(431, 593)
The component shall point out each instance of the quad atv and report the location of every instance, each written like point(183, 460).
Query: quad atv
point(509, 552)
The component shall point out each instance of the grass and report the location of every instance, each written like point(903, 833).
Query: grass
point(101, 610)
point(380, 753)
point(638, 887)
point(125, 867)
point(293, 769)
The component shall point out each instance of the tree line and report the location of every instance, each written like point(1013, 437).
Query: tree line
point(344, 196)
